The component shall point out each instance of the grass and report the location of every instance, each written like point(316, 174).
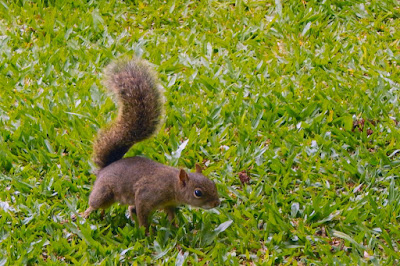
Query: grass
point(300, 96)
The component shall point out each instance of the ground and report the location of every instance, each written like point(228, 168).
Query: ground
point(291, 107)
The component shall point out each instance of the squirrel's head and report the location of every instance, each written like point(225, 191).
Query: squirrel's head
point(197, 190)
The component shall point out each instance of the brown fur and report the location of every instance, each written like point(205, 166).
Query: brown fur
point(141, 183)
point(146, 185)
point(140, 106)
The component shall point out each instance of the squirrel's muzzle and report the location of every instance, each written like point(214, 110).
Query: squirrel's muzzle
point(212, 204)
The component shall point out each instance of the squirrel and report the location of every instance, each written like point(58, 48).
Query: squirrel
point(141, 183)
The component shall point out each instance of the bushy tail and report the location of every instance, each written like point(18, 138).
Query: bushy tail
point(140, 107)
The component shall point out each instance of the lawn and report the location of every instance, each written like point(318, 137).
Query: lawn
point(301, 97)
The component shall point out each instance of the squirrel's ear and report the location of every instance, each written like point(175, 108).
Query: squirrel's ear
point(199, 169)
point(183, 177)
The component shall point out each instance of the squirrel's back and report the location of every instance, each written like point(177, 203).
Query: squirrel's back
point(140, 107)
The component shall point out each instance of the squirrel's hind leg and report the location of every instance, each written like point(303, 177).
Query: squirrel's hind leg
point(86, 213)
point(100, 197)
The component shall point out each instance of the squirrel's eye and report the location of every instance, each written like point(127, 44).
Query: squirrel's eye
point(198, 193)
